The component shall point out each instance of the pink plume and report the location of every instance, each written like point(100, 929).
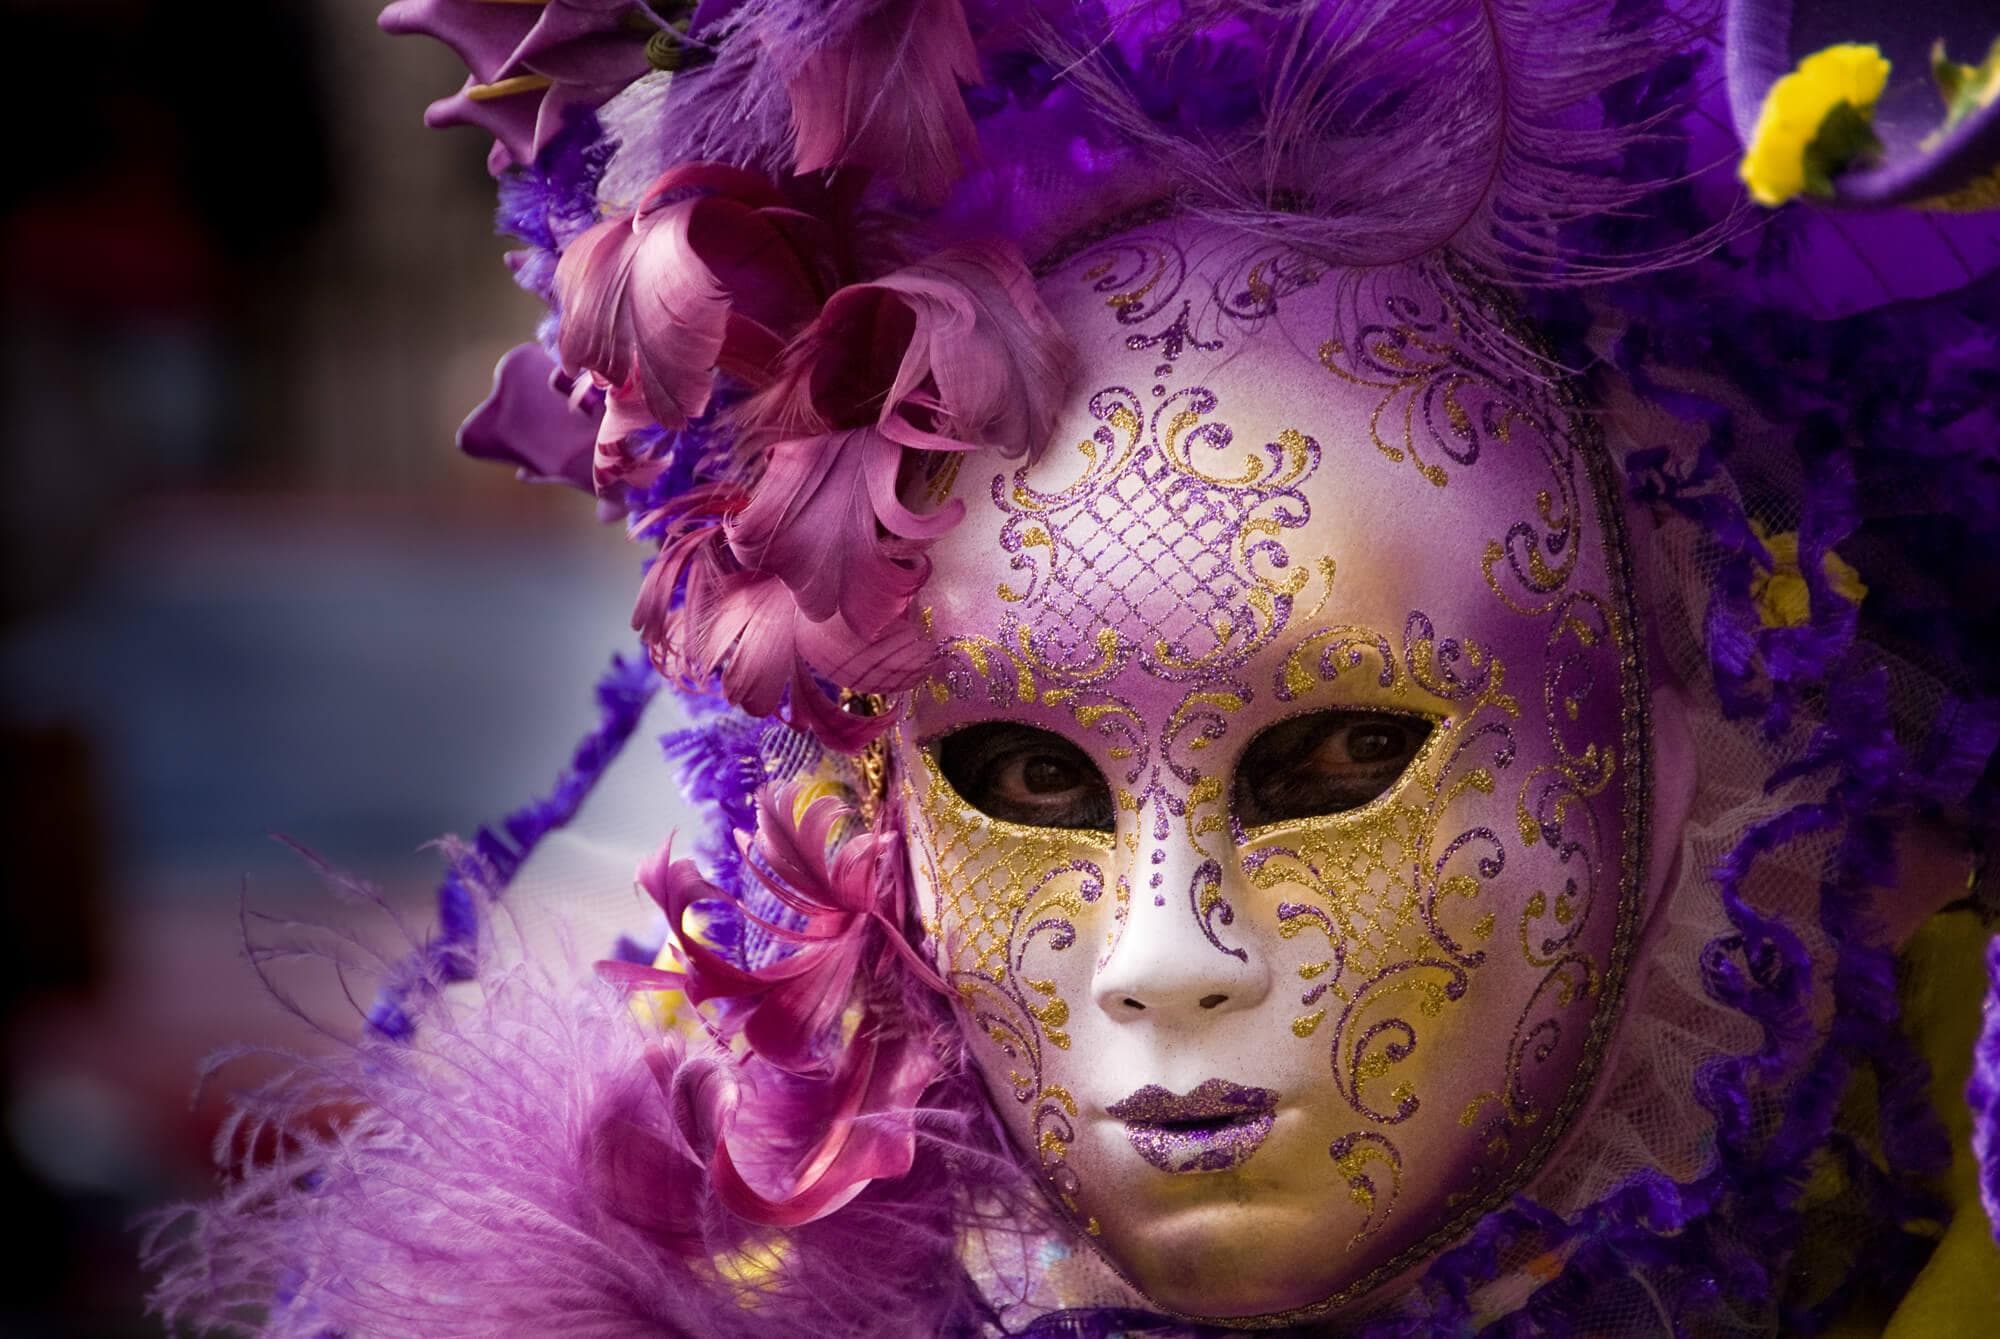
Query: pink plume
point(702, 614)
point(708, 272)
point(828, 1117)
point(831, 887)
point(827, 520)
point(868, 1136)
point(952, 353)
point(886, 97)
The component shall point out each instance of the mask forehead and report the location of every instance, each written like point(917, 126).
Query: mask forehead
point(1277, 491)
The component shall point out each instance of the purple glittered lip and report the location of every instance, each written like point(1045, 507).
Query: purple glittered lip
point(1213, 1129)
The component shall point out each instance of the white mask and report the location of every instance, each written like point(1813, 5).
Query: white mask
point(1277, 815)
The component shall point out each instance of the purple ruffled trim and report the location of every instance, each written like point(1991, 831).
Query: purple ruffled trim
point(484, 869)
point(1982, 1093)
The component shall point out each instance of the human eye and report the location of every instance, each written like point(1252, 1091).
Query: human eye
point(1326, 762)
point(1022, 774)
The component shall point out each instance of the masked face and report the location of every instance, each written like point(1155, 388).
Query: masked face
point(1277, 812)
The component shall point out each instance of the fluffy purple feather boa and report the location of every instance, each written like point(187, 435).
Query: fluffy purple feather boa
point(530, 1161)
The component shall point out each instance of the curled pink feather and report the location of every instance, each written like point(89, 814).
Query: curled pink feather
point(951, 354)
point(807, 577)
point(713, 271)
point(826, 519)
point(887, 98)
point(706, 617)
point(865, 1132)
point(836, 891)
point(808, 1121)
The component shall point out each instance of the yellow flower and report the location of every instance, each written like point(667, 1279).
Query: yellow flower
point(1780, 594)
point(1834, 90)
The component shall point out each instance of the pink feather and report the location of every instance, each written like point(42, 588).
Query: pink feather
point(707, 273)
point(703, 615)
point(886, 97)
point(951, 354)
point(832, 887)
point(840, 936)
point(825, 518)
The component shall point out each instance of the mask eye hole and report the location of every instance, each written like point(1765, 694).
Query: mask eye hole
point(1325, 762)
point(1021, 774)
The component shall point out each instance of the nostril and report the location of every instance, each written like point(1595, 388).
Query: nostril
point(1211, 1001)
point(1131, 1003)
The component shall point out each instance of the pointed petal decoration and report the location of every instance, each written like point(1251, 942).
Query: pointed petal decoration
point(537, 419)
point(531, 64)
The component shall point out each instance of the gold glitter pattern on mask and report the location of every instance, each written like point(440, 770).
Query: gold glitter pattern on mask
point(1000, 884)
point(1383, 883)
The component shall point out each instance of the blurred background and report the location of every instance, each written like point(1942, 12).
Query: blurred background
point(248, 586)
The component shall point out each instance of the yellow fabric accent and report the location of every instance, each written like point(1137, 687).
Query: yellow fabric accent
point(1958, 1294)
point(1796, 107)
point(1780, 594)
point(667, 1010)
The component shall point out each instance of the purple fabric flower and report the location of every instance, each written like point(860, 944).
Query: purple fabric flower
point(531, 65)
point(538, 418)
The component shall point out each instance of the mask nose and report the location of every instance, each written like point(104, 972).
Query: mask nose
point(1188, 950)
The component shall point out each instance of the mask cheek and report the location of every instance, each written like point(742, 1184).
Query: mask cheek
point(1016, 918)
point(1342, 895)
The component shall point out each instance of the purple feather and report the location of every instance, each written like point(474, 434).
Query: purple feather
point(534, 1164)
point(1390, 130)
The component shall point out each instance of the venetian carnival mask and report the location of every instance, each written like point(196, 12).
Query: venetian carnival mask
point(1277, 810)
